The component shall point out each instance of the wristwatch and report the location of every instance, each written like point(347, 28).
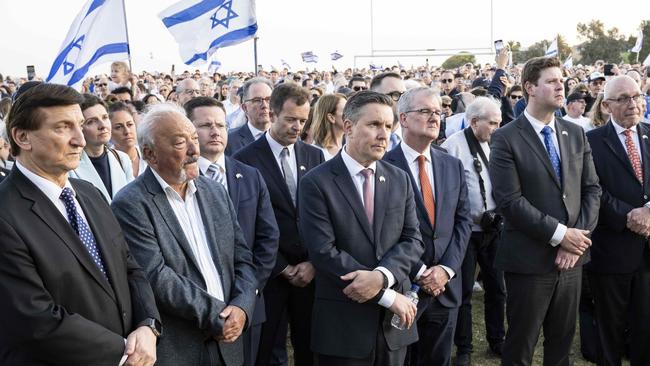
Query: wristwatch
point(154, 325)
point(385, 283)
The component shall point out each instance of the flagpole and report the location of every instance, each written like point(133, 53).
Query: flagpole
point(637, 57)
point(255, 54)
point(126, 28)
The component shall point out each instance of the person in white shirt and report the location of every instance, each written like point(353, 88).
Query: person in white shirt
point(575, 107)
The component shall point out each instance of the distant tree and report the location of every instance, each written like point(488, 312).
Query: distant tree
point(458, 60)
point(600, 44)
point(539, 49)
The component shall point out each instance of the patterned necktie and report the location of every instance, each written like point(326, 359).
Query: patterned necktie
point(81, 228)
point(368, 197)
point(552, 153)
point(288, 175)
point(427, 191)
point(633, 154)
point(214, 172)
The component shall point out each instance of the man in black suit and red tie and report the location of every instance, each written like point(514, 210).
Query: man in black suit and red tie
point(619, 271)
point(359, 214)
point(545, 185)
point(72, 293)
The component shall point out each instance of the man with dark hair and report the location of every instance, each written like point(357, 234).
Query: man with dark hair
point(250, 198)
point(545, 185)
point(255, 104)
point(448, 81)
point(123, 93)
point(359, 214)
point(391, 84)
point(357, 83)
point(72, 290)
point(283, 160)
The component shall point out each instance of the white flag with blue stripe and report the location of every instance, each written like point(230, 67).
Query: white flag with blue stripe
point(568, 63)
point(552, 49)
point(97, 35)
point(202, 26)
point(639, 42)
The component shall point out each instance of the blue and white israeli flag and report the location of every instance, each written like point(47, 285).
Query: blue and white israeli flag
point(214, 66)
point(309, 56)
point(335, 55)
point(552, 50)
point(202, 26)
point(97, 35)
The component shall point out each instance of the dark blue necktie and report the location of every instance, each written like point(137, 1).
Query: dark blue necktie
point(81, 228)
point(552, 152)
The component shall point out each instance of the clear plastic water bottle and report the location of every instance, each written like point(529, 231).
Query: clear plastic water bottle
point(412, 295)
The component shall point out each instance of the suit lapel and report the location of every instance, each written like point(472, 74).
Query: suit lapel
point(344, 182)
point(382, 187)
point(644, 144)
point(246, 135)
point(528, 133)
point(232, 172)
point(213, 240)
point(438, 176)
point(267, 159)
point(562, 136)
point(614, 143)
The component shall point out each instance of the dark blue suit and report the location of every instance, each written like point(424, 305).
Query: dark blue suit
point(279, 295)
point(252, 204)
point(619, 271)
point(238, 138)
point(445, 243)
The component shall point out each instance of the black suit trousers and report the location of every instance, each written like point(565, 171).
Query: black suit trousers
point(436, 326)
point(280, 296)
point(617, 298)
point(482, 249)
point(541, 300)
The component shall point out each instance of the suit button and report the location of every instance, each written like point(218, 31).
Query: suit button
point(564, 196)
point(645, 196)
point(378, 257)
point(124, 314)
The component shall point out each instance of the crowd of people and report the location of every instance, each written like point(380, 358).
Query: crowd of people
point(198, 219)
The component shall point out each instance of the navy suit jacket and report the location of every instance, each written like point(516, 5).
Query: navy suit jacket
point(615, 248)
point(445, 242)
point(341, 240)
point(3, 173)
point(259, 155)
point(238, 138)
point(252, 204)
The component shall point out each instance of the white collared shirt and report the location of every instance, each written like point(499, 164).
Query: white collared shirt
point(204, 164)
point(620, 132)
point(276, 148)
point(354, 168)
point(188, 214)
point(412, 159)
point(538, 125)
point(254, 131)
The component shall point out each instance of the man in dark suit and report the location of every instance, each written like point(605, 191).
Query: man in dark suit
point(3, 173)
point(619, 271)
point(445, 223)
point(360, 216)
point(71, 290)
point(250, 198)
point(283, 161)
point(183, 229)
point(545, 185)
point(255, 104)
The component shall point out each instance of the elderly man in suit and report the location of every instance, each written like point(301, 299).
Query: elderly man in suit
point(619, 271)
point(250, 198)
point(545, 185)
point(445, 223)
point(283, 161)
point(183, 230)
point(256, 106)
point(360, 216)
point(71, 290)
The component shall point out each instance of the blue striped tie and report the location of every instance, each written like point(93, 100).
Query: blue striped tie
point(552, 152)
point(214, 172)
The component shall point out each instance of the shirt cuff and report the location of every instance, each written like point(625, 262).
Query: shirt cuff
point(124, 356)
point(558, 235)
point(391, 278)
point(420, 272)
point(449, 271)
point(388, 298)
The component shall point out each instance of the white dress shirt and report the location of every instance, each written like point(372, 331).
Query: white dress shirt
point(188, 214)
point(204, 164)
point(276, 148)
point(538, 125)
point(581, 121)
point(254, 131)
point(354, 168)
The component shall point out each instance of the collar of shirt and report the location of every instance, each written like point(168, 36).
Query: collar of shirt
point(539, 125)
point(276, 148)
point(353, 166)
point(620, 129)
point(204, 164)
point(49, 188)
point(398, 131)
point(170, 192)
point(254, 131)
point(412, 155)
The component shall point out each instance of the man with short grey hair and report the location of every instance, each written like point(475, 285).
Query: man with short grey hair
point(186, 90)
point(255, 104)
point(182, 228)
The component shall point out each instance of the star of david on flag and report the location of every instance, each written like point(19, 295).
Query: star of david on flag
point(97, 36)
point(200, 27)
point(309, 57)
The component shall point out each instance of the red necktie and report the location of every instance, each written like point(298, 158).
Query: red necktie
point(633, 154)
point(368, 197)
point(427, 192)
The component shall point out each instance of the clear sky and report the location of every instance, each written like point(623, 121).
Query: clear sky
point(33, 30)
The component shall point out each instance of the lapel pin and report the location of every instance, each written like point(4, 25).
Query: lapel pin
point(302, 167)
point(645, 137)
point(565, 133)
point(382, 179)
point(239, 176)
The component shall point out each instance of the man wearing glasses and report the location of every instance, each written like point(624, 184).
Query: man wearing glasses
point(391, 84)
point(256, 97)
point(444, 216)
point(448, 82)
point(187, 89)
point(619, 272)
point(357, 83)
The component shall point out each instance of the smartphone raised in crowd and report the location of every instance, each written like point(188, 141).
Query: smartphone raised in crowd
point(498, 45)
point(31, 72)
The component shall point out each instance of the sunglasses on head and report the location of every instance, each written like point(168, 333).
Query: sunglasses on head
point(445, 81)
point(358, 87)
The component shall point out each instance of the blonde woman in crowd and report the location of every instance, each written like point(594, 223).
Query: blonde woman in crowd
point(327, 124)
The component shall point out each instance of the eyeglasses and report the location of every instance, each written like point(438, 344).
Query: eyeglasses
point(395, 95)
point(428, 113)
point(445, 81)
point(101, 85)
point(513, 96)
point(626, 100)
point(446, 106)
point(192, 91)
point(259, 100)
point(359, 87)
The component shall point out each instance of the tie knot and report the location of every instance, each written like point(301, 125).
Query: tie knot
point(367, 173)
point(284, 152)
point(547, 130)
point(67, 195)
point(627, 133)
point(422, 159)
